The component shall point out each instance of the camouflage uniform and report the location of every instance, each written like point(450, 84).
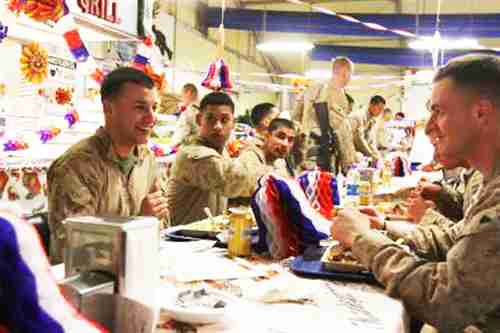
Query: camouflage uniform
point(457, 288)
point(88, 180)
point(254, 157)
point(459, 196)
point(186, 125)
point(364, 133)
point(338, 109)
point(202, 177)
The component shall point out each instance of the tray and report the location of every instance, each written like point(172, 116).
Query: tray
point(186, 235)
point(314, 269)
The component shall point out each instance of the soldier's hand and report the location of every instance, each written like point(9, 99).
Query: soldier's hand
point(347, 225)
point(429, 191)
point(155, 203)
point(417, 207)
point(376, 220)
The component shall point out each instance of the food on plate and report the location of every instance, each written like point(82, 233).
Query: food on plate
point(340, 254)
point(200, 298)
point(337, 258)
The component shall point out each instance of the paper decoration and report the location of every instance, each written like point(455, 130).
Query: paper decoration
point(234, 147)
point(3, 31)
point(157, 150)
point(40, 10)
point(34, 63)
point(321, 190)
point(76, 45)
point(72, 117)
point(15, 145)
point(49, 134)
point(287, 222)
point(31, 286)
point(63, 96)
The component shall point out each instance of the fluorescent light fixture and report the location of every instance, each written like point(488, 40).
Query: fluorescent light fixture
point(425, 75)
point(285, 46)
point(431, 43)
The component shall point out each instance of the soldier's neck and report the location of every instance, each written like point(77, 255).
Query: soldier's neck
point(120, 148)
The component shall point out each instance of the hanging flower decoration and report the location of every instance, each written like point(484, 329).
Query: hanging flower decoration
point(218, 77)
point(63, 96)
point(49, 134)
point(141, 62)
point(3, 89)
point(14, 145)
point(34, 63)
point(3, 31)
point(72, 117)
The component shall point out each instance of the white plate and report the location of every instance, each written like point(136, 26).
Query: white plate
point(197, 315)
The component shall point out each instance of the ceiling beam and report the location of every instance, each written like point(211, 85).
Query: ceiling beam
point(312, 2)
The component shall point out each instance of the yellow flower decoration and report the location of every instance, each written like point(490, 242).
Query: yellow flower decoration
point(34, 63)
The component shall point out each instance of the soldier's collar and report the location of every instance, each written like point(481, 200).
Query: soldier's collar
point(140, 151)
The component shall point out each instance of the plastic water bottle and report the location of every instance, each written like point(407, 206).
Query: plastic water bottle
point(352, 188)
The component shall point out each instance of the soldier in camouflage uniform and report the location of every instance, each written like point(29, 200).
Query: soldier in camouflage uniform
point(364, 129)
point(203, 174)
point(455, 288)
point(267, 154)
point(333, 93)
point(186, 124)
point(111, 173)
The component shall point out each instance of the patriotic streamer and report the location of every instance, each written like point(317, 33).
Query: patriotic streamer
point(370, 25)
point(401, 166)
point(287, 222)
point(76, 45)
point(218, 77)
point(322, 191)
point(32, 302)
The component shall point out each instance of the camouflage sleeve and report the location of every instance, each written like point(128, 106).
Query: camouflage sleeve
point(298, 111)
point(72, 191)
point(450, 202)
point(433, 217)
point(249, 159)
point(449, 294)
point(229, 177)
point(362, 145)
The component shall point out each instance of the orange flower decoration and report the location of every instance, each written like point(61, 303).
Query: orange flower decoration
point(63, 96)
point(34, 63)
point(158, 79)
point(45, 10)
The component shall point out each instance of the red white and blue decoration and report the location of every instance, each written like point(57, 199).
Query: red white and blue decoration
point(322, 191)
point(287, 222)
point(30, 300)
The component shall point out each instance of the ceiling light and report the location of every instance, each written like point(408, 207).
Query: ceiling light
point(431, 43)
point(285, 47)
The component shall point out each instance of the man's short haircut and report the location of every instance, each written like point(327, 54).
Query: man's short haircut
point(479, 73)
point(377, 99)
point(342, 61)
point(278, 123)
point(216, 98)
point(400, 115)
point(259, 112)
point(114, 81)
point(191, 88)
point(350, 100)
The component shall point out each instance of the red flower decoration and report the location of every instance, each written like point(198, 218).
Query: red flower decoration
point(63, 96)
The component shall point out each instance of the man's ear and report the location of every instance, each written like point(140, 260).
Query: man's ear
point(107, 107)
point(198, 118)
point(484, 111)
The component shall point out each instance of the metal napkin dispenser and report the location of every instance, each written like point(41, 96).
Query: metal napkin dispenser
point(111, 255)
